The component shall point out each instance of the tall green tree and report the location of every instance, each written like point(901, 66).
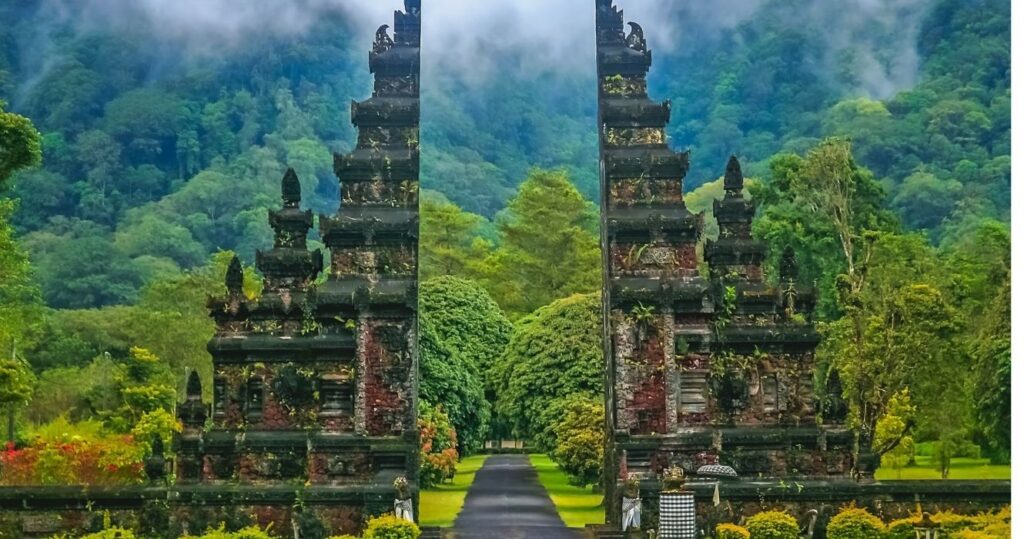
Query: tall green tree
point(20, 144)
point(555, 353)
point(19, 298)
point(829, 210)
point(446, 238)
point(902, 332)
point(466, 319)
point(991, 351)
point(448, 379)
point(548, 246)
point(472, 327)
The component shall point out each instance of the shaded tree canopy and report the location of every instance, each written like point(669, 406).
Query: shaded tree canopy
point(554, 353)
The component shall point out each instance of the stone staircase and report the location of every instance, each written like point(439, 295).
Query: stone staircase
point(433, 533)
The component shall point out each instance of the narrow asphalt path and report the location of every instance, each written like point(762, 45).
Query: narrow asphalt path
point(507, 501)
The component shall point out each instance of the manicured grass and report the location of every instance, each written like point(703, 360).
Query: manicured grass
point(439, 506)
point(960, 469)
point(577, 506)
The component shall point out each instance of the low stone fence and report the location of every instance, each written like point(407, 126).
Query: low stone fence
point(821, 500)
point(171, 512)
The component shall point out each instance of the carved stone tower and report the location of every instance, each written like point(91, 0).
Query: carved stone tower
point(701, 369)
point(315, 381)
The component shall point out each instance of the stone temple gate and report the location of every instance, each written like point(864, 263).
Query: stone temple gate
point(716, 369)
point(702, 368)
point(313, 417)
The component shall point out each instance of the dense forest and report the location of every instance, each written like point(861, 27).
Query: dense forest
point(157, 161)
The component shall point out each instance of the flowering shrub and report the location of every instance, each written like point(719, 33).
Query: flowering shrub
point(579, 438)
point(391, 527)
point(985, 526)
point(160, 423)
point(731, 531)
point(438, 452)
point(855, 523)
point(773, 525)
point(111, 533)
point(66, 454)
point(252, 532)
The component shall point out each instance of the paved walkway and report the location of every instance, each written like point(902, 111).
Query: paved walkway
point(507, 501)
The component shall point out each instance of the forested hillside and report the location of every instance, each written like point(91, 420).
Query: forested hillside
point(155, 157)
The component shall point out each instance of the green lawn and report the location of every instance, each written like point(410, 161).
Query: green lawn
point(439, 506)
point(960, 469)
point(577, 506)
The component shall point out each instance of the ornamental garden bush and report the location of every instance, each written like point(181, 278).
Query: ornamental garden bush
point(252, 532)
point(773, 525)
point(81, 454)
point(438, 441)
point(994, 525)
point(855, 523)
point(111, 533)
point(391, 527)
point(731, 531)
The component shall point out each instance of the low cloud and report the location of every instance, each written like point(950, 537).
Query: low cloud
point(469, 38)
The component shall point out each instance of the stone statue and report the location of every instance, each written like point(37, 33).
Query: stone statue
point(673, 480)
point(636, 40)
point(631, 504)
point(234, 278)
point(403, 499)
point(383, 42)
point(192, 413)
point(156, 463)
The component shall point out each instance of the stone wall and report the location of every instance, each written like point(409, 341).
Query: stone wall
point(890, 500)
point(317, 512)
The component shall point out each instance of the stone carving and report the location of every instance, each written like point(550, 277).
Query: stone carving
point(725, 330)
point(339, 466)
point(674, 480)
point(192, 413)
point(234, 277)
point(156, 464)
point(635, 40)
point(403, 500)
point(631, 504)
point(382, 41)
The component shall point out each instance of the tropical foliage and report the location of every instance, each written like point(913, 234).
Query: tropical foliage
point(555, 353)
point(438, 441)
point(890, 179)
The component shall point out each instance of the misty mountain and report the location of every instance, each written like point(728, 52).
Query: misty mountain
point(167, 125)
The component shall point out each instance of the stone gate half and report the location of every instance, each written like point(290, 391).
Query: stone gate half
point(315, 381)
point(710, 366)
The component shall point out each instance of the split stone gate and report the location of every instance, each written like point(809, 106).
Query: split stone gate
point(314, 391)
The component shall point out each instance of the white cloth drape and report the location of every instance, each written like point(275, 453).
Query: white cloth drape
point(403, 510)
point(630, 514)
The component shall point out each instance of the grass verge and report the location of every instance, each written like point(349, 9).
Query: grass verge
point(440, 505)
point(577, 506)
point(961, 468)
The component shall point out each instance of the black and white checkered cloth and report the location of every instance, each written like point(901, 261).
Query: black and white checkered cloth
point(677, 517)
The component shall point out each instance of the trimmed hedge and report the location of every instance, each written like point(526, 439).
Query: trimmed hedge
point(773, 525)
point(731, 531)
point(855, 523)
point(391, 527)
